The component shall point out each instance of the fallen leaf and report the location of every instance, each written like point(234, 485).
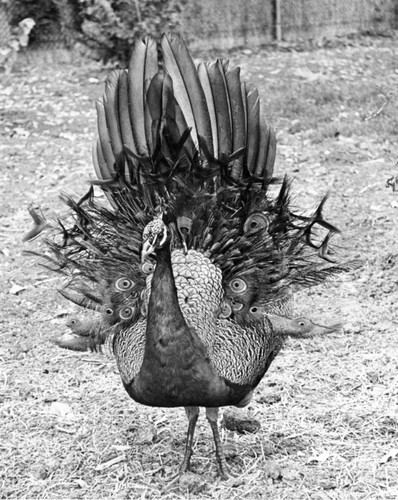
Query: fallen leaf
point(318, 459)
point(307, 74)
point(393, 453)
point(68, 136)
point(16, 289)
point(121, 447)
point(60, 410)
point(272, 470)
point(81, 483)
point(21, 131)
point(111, 462)
point(147, 435)
point(65, 430)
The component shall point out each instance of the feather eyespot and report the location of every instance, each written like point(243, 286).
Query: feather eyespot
point(123, 284)
point(109, 311)
point(236, 306)
point(254, 309)
point(147, 267)
point(184, 224)
point(126, 313)
point(238, 285)
point(225, 311)
point(255, 223)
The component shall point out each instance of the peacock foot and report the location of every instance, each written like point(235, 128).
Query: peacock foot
point(192, 413)
point(212, 417)
point(224, 473)
point(186, 463)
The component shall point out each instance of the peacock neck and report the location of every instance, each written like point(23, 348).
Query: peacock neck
point(165, 318)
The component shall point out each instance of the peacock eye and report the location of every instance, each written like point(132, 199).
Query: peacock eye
point(184, 224)
point(126, 313)
point(123, 284)
point(225, 311)
point(147, 267)
point(254, 223)
point(109, 311)
point(238, 285)
point(253, 309)
point(236, 306)
point(301, 323)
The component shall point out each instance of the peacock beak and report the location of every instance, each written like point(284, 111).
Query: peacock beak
point(322, 329)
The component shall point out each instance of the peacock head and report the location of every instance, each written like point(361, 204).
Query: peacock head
point(154, 237)
point(300, 327)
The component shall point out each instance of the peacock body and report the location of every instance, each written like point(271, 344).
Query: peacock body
point(192, 258)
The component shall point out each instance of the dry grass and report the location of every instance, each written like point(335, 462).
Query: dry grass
point(328, 406)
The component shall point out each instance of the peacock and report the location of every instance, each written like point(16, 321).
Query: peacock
point(191, 259)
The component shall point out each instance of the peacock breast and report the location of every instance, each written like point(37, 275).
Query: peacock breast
point(199, 288)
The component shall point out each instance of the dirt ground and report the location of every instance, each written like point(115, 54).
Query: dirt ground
point(328, 406)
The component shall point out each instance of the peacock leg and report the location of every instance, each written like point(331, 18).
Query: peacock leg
point(192, 415)
point(212, 417)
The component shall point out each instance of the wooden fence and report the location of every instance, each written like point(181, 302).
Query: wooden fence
point(229, 23)
point(223, 24)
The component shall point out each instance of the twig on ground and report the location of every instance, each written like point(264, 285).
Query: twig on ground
point(386, 99)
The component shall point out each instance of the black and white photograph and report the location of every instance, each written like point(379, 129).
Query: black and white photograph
point(199, 249)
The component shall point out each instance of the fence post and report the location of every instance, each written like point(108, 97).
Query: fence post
point(277, 18)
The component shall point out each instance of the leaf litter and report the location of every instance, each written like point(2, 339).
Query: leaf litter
point(328, 406)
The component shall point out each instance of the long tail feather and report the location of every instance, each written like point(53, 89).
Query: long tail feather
point(104, 143)
point(204, 80)
point(111, 109)
point(252, 113)
point(215, 72)
point(187, 87)
point(124, 120)
point(238, 119)
point(143, 66)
